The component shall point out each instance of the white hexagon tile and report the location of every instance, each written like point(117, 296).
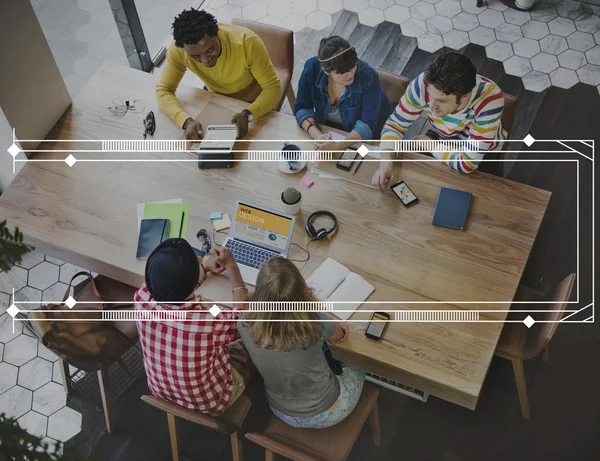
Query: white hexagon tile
point(562, 28)
point(31, 388)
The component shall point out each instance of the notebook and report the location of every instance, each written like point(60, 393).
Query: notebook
point(451, 208)
point(173, 212)
point(152, 233)
point(332, 281)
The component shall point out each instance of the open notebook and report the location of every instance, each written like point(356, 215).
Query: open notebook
point(333, 281)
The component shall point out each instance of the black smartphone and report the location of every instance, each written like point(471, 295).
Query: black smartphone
point(347, 159)
point(377, 325)
point(403, 192)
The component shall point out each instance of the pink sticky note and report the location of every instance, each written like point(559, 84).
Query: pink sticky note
point(307, 181)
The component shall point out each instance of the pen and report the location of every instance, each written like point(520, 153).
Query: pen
point(357, 167)
point(181, 226)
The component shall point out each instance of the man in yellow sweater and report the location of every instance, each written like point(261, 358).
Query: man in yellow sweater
point(230, 60)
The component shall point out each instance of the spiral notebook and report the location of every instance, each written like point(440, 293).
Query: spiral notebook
point(332, 281)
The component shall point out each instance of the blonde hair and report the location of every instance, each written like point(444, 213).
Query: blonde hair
point(279, 280)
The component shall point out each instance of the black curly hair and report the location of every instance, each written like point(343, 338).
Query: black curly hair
point(190, 26)
point(452, 73)
point(330, 46)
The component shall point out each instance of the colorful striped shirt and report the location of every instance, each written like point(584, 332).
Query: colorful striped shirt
point(479, 121)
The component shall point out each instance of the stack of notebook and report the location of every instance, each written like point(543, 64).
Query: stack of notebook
point(161, 221)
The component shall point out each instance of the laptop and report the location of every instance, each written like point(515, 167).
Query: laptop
point(256, 235)
point(452, 208)
point(217, 144)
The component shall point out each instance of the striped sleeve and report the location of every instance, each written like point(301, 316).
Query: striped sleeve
point(407, 111)
point(484, 132)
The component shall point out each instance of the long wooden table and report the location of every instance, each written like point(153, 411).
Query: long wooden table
point(86, 215)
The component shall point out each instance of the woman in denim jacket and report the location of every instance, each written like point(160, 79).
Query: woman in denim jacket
point(338, 89)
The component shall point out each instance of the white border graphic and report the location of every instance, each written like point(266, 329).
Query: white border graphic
point(401, 316)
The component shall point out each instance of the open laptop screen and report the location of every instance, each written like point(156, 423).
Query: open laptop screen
point(263, 227)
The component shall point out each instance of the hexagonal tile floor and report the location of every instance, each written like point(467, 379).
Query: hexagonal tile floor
point(558, 43)
point(30, 382)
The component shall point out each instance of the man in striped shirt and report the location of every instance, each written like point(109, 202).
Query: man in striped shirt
point(459, 104)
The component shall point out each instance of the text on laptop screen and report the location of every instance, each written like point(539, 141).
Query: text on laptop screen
point(262, 227)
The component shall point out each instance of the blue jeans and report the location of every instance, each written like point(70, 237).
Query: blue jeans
point(351, 384)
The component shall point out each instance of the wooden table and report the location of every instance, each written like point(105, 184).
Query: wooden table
point(86, 215)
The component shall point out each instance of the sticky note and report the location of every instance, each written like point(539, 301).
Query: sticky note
point(222, 223)
point(216, 215)
point(307, 181)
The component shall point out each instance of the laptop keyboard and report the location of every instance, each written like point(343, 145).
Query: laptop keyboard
point(249, 255)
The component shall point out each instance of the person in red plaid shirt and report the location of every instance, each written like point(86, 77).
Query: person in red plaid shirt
point(188, 359)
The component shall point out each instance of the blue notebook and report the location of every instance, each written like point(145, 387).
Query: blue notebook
point(451, 208)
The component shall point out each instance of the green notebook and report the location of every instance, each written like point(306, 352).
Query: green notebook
point(172, 212)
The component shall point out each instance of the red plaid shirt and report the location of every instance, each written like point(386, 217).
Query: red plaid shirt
point(186, 361)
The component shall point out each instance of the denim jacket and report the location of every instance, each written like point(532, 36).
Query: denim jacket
point(364, 106)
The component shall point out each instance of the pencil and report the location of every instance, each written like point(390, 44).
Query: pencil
point(181, 225)
point(357, 167)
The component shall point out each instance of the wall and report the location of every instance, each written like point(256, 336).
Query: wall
point(33, 94)
point(6, 163)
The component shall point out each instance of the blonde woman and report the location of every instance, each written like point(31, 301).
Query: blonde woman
point(287, 350)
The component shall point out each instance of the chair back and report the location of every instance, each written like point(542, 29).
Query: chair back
point(539, 336)
point(279, 44)
point(394, 85)
point(508, 115)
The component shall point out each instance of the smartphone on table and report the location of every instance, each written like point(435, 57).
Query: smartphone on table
point(404, 193)
point(377, 325)
point(347, 159)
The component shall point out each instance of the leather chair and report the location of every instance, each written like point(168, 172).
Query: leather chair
point(330, 444)
point(228, 422)
point(115, 291)
point(280, 46)
point(518, 343)
point(394, 85)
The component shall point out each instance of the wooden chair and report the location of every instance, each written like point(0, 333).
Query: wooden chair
point(228, 422)
point(106, 394)
point(280, 46)
point(330, 444)
point(394, 85)
point(518, 343)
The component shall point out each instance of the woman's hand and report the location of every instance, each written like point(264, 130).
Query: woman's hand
point(323, 140)
point(340, 333)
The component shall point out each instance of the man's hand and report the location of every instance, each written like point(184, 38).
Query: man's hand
point(241, 122)
point(193, 129)
point(224, 258)
point(210, 263)
point(383, 177)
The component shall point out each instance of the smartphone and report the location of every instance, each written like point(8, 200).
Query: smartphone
point(377, 325)
point(403, 192)
point(347, 159)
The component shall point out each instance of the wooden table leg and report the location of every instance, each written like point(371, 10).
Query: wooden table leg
point(375, 426)
point(269, 455)
point(521, 386)
point(173, 436)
